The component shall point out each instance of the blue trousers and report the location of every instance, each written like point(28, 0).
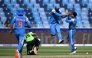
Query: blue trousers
point(71, 38)
point(55, 28)
point(20, 39)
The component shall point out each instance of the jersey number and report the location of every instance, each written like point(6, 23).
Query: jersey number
point(27, 35)
point(20, 24)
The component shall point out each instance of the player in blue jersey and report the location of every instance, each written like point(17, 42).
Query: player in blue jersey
point(19, 29)
point(72, 30)
point(54, 23)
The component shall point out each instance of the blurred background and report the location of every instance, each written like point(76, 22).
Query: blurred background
point(38, 11)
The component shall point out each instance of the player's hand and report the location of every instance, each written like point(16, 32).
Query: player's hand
point(10, 32)
point(68, 13)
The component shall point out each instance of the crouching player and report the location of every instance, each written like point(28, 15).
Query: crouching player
point(71, 33)
point(32, 43)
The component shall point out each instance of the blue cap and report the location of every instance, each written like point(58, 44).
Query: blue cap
point(21, 11)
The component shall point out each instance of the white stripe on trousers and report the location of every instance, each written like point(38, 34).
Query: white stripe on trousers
point(71, 36)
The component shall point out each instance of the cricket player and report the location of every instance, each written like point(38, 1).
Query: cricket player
point(20, 21)
point(32, 43)
point(54, 23)
point(72, 30)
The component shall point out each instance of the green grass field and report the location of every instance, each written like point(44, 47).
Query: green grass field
point(49, 52)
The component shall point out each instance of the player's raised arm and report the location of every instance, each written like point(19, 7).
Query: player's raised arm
point(11, 25)
point(28, 22)
point(56, 13)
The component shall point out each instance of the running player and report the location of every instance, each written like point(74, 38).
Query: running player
point(19, 29)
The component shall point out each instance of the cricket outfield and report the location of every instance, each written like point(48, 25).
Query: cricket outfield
point(49, 52)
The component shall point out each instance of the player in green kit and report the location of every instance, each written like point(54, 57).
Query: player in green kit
point(32, 43)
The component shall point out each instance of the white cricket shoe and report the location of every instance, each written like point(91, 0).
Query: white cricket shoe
point(60, 41)
point(73, 53)
point(75, 48)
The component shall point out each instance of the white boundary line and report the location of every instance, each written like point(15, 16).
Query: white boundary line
point(48, 45)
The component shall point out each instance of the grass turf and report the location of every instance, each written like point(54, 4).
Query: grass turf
point(47, 51)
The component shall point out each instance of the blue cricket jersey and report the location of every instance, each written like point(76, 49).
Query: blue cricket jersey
point(20, 23)
point(54, 17)
point(72, 22)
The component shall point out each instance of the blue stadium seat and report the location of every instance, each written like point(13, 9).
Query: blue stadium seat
point(6, 2)
point(1, 24)
point(35, 14)
point(14, 13)
point(90, 1)
point(85, 21)
point(1, 9)
point(84, 1)
point(42, 14)
point(13, 2)
point(41, 10)
point(2, 14)
point(64, 1)
point(50, 6)
point(46, 25)
point(63, 12)
point(89, 5)
point(78, 10)
point(77, 6)
point(16, 6)
point(13, 10)
point(65, 24)
point(34, 10)
point(58, 5)
point(79, 22)
point(84, 14)
point(72, 1)
point(39, 25)
point(33, 2)
point(26, 2)
point(84, 18)
point(9, 6)
point(44, 19)
point(46, 2)
point(62, 9)
point(36, 6)
point(30, 6)
point(52, 1)
point(3, 19)
point(84, 9)
point(70, 6)
point(37, 19)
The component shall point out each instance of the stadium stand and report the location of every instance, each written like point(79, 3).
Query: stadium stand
point(38, 11)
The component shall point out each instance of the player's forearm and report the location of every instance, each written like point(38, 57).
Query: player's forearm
point(35, 50)
point(11, 27)
point(57, 14)
point(65, 15)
